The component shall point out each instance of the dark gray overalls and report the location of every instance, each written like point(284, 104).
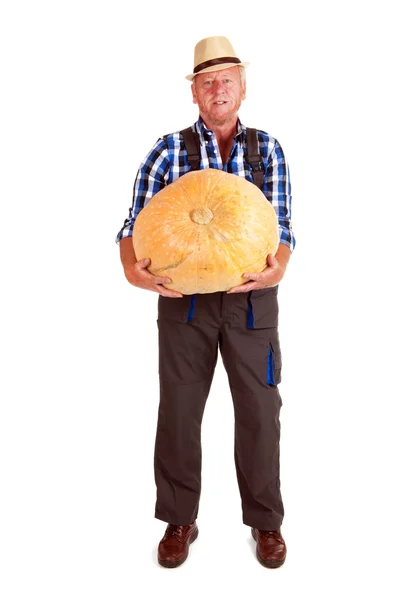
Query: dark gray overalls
point(244, 326)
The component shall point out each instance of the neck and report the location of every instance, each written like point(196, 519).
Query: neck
point(224, 131)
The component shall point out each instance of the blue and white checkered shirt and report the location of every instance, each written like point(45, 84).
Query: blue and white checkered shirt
point(168, 160)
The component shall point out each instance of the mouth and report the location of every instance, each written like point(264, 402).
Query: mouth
point(220, 102)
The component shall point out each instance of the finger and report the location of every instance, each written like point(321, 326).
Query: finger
point(162, 280)
point(144, 262)
point(254, 276)
point(271, 260)
point(246, 287)
point(171, 294)
point(168, 293)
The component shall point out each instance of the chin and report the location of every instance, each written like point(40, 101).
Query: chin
point(222, 119)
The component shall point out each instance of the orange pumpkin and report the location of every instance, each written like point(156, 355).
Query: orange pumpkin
point(205, 230)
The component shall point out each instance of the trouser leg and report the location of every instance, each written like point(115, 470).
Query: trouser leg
point(252, 360)
point(257, 435)
point(187, 356)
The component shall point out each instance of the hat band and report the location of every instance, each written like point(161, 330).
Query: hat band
point(216, 61)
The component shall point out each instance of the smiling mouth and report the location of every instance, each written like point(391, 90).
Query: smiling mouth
point(220, 102)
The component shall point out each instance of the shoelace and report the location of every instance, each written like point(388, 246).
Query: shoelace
point(273, 534)
point(175, 530)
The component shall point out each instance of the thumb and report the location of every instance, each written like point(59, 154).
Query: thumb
point(144, 262)
point(271, 260)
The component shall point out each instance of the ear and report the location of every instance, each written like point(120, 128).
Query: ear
point(194, 95)
point(244, 91)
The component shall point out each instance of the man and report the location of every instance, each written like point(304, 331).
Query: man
point(241, 322)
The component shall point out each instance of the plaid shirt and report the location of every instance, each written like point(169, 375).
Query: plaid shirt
point(167, 161)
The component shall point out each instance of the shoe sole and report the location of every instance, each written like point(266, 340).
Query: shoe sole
point(271, 564)
point(171, 565)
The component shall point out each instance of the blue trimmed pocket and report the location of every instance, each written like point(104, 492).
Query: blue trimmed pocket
point(271, 368)
point(180, 310)
point(262, 316)
point(274, 361)
point(262, 308)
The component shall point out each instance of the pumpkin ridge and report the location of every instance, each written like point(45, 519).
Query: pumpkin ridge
point(219, 180)
point(252, 263)
point(221, 176)
point(189, 195)
point(221, 236)
point(186, 224)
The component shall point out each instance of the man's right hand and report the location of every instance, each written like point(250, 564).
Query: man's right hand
point(138, 275)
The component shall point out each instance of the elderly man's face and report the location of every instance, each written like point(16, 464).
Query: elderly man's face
point(219, 95)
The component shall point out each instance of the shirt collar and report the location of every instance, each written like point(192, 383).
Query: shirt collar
point(239, 130)
point(206, 134)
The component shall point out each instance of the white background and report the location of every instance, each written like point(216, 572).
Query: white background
point(88, 87)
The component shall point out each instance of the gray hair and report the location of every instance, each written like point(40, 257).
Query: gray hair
point(242, 73)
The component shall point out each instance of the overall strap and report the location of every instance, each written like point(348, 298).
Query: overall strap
point(253, 157)
point(192, 143)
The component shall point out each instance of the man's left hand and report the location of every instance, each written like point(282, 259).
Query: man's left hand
point(270, 277)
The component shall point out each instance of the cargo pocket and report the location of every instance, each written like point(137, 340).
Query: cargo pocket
point(180, 310)
point(263, 316)
point(263, 308)
point(274, 361)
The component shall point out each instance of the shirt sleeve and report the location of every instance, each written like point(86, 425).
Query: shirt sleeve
point(151, 177)
point(278, 192)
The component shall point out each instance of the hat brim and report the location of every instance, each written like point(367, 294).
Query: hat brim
point(220, 67)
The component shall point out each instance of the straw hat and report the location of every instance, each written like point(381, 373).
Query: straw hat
point(214, 54)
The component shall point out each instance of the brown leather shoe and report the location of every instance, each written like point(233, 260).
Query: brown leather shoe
point(173, 549)
point(271, 547)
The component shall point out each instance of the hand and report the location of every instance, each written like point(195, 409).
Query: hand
point(138, 275)
point(270, 277)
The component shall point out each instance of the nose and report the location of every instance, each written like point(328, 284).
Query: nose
point(219, 89)
point(219, 85)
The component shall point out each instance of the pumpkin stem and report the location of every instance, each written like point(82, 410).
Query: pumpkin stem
point(202, 216)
